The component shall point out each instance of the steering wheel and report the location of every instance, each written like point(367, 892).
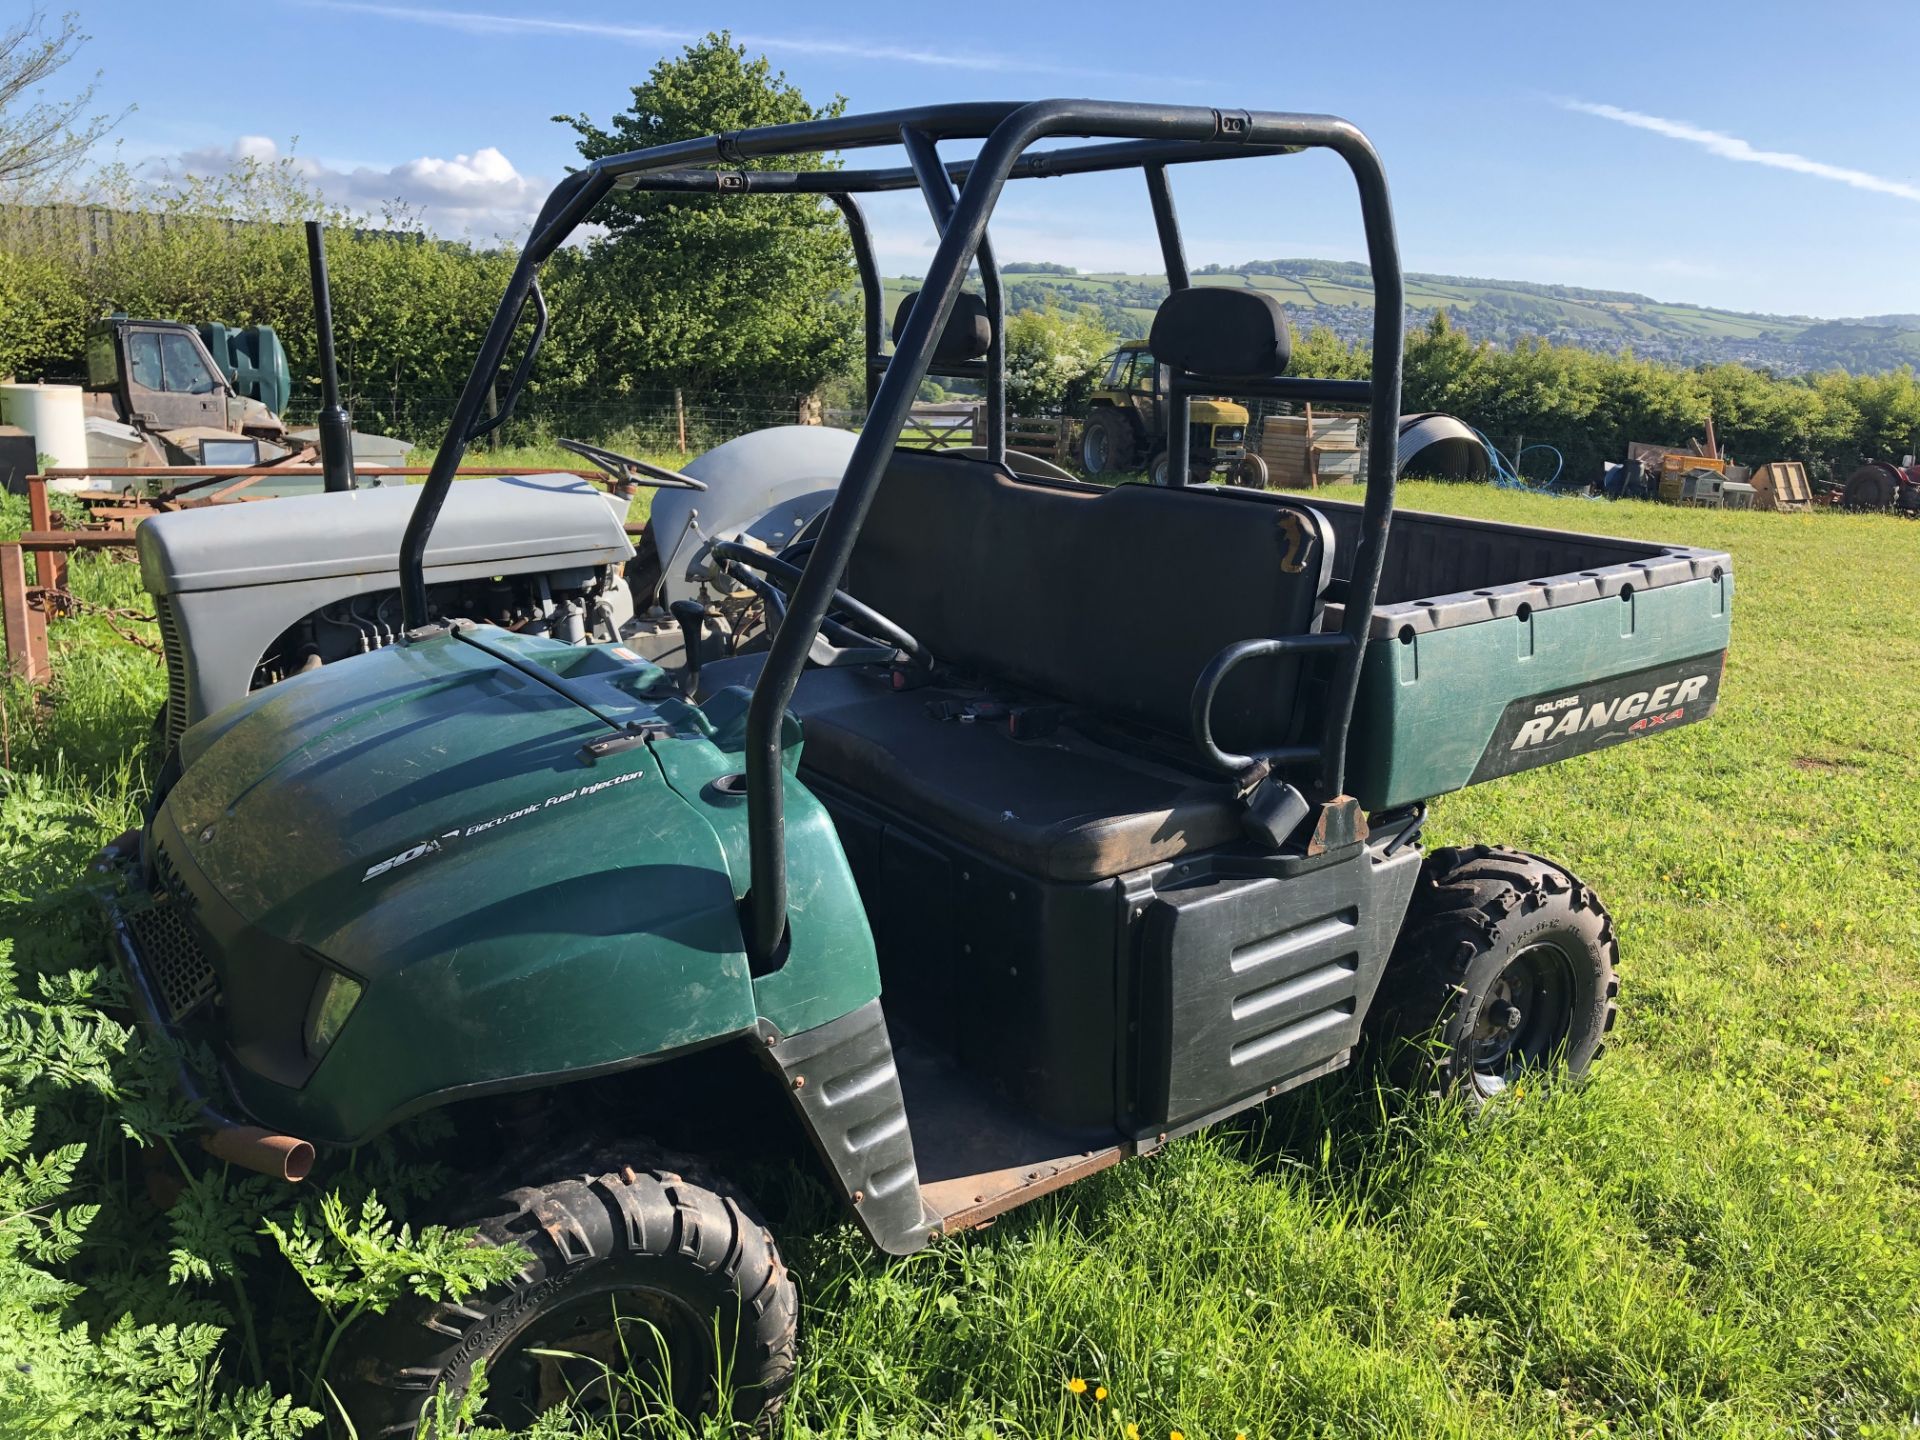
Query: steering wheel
point(626, 470)
point(869, 638)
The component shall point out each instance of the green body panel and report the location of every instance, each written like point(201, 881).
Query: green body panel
point(1430, 702)
point(838, 972)
point(423, 818)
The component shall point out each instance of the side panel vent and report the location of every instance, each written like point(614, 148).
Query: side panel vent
point(176, 658)
point(1247, 983)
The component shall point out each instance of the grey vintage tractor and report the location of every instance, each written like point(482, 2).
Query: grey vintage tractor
point(249, 595)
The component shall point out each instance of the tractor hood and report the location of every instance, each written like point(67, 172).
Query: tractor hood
point(1218, 412)
point(532, 519)
point(428, 822)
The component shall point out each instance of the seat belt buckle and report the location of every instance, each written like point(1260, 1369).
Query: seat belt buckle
point(1273, 811)
point(967, 712)
point(1033, 722)
point(910, 677)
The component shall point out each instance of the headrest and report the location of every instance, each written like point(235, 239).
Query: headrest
point(968, 335)
point(1214, 330)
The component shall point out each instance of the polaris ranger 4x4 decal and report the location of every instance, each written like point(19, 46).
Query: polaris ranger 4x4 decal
point(1549, 727)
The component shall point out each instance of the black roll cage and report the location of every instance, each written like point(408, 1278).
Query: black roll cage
point(1133, 136)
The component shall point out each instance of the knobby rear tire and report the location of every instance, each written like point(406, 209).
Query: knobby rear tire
point(1480, 916)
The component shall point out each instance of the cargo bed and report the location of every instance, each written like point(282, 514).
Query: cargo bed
point(1495, 648)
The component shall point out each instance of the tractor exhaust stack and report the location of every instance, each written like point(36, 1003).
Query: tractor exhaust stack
point(336, 427)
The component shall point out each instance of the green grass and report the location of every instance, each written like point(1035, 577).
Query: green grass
point(1717, 1234)
point(547, 452)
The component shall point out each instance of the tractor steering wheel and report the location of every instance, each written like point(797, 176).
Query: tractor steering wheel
point(628, 471)
point(869, 637)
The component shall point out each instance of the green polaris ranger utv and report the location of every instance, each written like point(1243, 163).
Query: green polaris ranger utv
point(986, 866)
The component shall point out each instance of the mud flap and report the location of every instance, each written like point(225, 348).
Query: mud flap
point(842, 1078)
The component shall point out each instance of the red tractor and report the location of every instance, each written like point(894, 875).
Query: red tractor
point(1883, 485)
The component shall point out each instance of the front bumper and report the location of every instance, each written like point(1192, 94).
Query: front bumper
point(172, 989)
point(171, 985)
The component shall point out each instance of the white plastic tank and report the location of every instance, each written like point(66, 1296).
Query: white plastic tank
point(53, 415)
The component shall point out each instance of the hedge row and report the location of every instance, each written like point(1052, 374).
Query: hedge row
point(410, 311)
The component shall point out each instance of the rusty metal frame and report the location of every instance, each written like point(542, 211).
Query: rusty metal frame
point(28, 655)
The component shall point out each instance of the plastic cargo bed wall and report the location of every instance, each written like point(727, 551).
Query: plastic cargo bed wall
point(1495, 648)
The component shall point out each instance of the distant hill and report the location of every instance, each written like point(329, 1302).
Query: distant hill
point(1339, 295)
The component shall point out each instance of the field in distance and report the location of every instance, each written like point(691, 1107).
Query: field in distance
point(1339, 295)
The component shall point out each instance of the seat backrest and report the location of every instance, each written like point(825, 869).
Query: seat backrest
point(1217, 330)
point(1109, 599)
point(968, 333)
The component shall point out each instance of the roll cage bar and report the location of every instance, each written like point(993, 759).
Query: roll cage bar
point(961, 195)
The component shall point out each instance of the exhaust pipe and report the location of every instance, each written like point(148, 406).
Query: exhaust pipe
point(282, 1157)
point(336, 427)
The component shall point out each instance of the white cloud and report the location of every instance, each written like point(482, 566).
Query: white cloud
point(476, 22)
point(255, 147)
point(1731, 147)
point(481, 195)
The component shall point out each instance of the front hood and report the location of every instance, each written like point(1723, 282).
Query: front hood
point(336, 810)
point(425, 819)
point(517, 523)
point(1218, 412)
point(516, 907)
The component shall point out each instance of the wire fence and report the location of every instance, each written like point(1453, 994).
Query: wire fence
point(649, 420)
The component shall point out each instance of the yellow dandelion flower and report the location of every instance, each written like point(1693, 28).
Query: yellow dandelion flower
point(1100, 1391)
point(1076, 1386)
point(1132, 1432)
point(1176, 1435)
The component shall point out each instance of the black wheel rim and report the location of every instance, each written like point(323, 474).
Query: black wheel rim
point(628, 1352)
point(1525, 1019)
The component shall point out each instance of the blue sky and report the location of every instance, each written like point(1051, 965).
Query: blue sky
point(1760, 156)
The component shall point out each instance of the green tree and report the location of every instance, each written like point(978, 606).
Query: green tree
point(43, 311)
point(1444, 369)
point(712, 293)
point(1325, 356)
point(41, 138)
point(1638, 400)
point(1054, 357)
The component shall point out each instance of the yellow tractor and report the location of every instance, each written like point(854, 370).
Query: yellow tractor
point(1126, 428)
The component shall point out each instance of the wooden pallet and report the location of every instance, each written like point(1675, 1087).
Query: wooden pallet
point(1306, 451)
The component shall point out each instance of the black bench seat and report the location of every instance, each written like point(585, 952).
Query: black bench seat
point(1061, 807)
point(1109, 602)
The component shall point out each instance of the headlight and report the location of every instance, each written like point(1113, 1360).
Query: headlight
point(333, 1001)
point(1229, 434)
